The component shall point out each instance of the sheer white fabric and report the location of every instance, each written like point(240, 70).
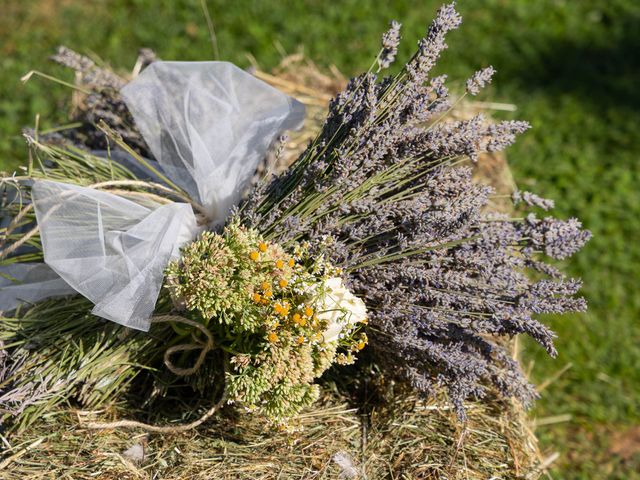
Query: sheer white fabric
point(111, 250)
point(30, 283)
point(208, 124)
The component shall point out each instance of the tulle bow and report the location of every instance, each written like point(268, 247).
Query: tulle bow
point(208, 125)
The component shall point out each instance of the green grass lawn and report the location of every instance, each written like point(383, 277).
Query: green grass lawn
point(573, 69)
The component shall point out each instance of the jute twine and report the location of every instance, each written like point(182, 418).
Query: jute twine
point(205, 348)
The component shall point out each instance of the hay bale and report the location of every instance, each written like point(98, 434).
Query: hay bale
point(408, 438)
point(343, 436)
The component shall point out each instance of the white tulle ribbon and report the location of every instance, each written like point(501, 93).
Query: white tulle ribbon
point(208, 125)
point(30, 282)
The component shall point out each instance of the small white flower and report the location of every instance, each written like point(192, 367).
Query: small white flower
point(340, 308)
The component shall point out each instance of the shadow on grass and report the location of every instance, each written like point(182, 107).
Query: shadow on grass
point(603, 71)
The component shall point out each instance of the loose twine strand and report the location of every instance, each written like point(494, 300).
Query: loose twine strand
point(205, 348)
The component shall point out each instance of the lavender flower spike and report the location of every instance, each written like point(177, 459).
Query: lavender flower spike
point(433, 44)
point(479, 80)
point(390, 42)
point(532, 200)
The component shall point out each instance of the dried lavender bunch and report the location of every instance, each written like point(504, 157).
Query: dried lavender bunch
point(16, 397)
point(72, 357)
point(385, 192)
point(102, 103)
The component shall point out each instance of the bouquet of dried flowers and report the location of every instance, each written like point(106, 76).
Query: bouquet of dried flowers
point(376, 234)
point(282, 318)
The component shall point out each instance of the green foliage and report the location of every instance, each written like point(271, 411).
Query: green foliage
point(279, 381)
point(210, 278)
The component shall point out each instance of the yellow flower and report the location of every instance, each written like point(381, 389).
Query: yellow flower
point(308, 311)
point(265, 285)
point(255, 256)
point(279, 264)
point(283, 283)
point(300, 340)
point(268, 293)
point(273, 337)
point(278, 308)
point(292, 262)
point(257, 297)
point(361, 345)
point(299, 320)
point(262, 247)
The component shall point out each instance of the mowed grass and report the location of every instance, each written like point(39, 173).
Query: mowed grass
point(572, 68)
